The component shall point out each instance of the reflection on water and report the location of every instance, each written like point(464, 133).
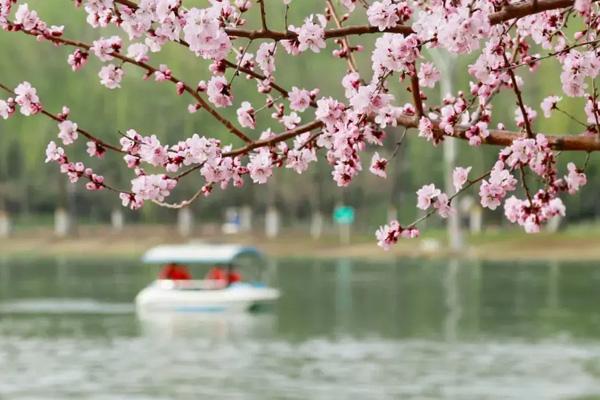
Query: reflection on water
point(342, 330)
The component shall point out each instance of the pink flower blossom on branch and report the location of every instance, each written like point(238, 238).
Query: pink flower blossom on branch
point(356, 108)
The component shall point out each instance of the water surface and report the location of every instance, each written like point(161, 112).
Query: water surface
point(343, 329)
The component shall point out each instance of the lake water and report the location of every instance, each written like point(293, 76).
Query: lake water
point(342, 330)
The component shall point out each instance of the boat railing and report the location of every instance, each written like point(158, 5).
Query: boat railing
point(191, 284)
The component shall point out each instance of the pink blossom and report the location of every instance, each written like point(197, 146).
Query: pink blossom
point(260, 166)
point(245, 115)
point(265, 58)
point(94, 149)
point(575, 178)
point(53, 152)
point(290, 121)
point(27, 99)
point(204, 34)
point(428, 75)
point(442, 205)
point(77, 59)
point(301, 155)
point(152, 152)
point(138, 51)
point(394, 52)
point(351, 82)
point(311, 35)
point(477, 133)
point(131, 200)
point(378, 165)
point(493, 190)
point(388, 235)
point(300, 99)
point(386, 14)
point(163, 74)
point(349, 4)
point(219, 92)
point(520, 118)
point(110, 76)
point(584, 7)
point(26, 18)
point(425, 195)
point(592, 111)
point(548, 104)
point(96, 182)
point(426, 129)
point(152, 187)
point(6, 108)
point(68, 132)
point(104, 48)
point(459, 177)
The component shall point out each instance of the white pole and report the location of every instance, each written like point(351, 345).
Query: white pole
point(272, 222)
point(446, 63)
point(185, 222)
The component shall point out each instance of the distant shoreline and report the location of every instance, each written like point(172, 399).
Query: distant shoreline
point(578, 243)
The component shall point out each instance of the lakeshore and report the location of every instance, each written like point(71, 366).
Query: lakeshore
point(575, 243)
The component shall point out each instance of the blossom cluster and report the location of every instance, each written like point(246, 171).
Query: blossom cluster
point(291, 127)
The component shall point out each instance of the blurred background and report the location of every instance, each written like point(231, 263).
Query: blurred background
point(491, 314)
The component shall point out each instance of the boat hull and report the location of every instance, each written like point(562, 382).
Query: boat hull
point(235, 298)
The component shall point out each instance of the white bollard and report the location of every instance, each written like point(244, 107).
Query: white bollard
point(316, 225)
point(553, 224)
point(5, 224)
point(185, 222)
point(117, 220)
point(272, 222)
point(345, 234)
point(476, 220)
point(392, 213)
point(246, 219)
point(62, 222)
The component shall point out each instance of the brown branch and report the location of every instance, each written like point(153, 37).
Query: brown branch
point(464, 188)
point(79, 130)
point(517, 91)
point(263, 143)
point(345, 41)
point(256, 75)
point(416, 92)
point(506, 138)
point(329, 34)
point(507, 13)
point(151, 70)
point(527, 8)
point(263, 15)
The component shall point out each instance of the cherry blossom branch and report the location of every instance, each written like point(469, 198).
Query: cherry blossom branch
point(506, 138)
point(151, 70)
point(345, 42)
point(416, 92)
point(519, 99)
point(83, 132)
point(263, 15)
point(182, 204)
point(262, 143)
point(524, 9)
point(524, 183)
point(507, 13)
point(463, 189)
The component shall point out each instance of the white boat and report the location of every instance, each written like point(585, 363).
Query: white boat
point(205, 295)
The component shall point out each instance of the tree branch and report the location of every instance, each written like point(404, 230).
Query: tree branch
point(79, 130)
point(151, 70)
point(517, 91)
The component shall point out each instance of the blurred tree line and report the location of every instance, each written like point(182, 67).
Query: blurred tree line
point(29, 189)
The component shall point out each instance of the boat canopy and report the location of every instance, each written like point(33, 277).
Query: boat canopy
point(198, 253)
